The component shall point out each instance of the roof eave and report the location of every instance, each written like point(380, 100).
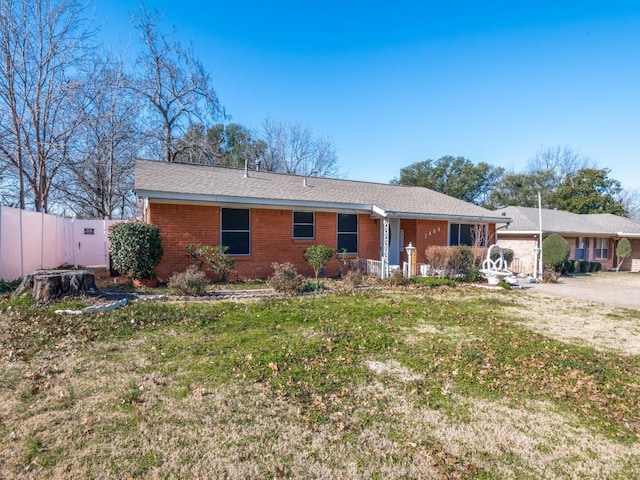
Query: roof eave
point(225, 199)
point(589, 234)
point(448, 217)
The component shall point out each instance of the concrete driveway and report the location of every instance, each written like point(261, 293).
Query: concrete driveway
point(617, 289)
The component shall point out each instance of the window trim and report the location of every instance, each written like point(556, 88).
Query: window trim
point(356, 233)
point(222, 231)
point(294, 223)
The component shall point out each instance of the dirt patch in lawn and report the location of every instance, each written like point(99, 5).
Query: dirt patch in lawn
point(577, 321)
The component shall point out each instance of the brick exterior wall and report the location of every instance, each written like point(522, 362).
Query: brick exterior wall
point(523, 246)
point(271, 238)
point(429, 233)
point(632, 264)
point(523, 253)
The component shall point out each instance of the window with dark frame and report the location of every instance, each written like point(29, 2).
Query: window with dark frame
point(303, 224)
point(235, 231)
point(580, 249)
point(465, 233)
point(347, 233)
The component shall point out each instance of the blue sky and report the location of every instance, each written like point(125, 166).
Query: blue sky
point(392, 83)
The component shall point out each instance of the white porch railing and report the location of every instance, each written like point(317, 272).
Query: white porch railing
point(373, 268)
point(422, 269)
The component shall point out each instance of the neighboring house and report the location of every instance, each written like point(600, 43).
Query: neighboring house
point(592, 237)
point(266, 217)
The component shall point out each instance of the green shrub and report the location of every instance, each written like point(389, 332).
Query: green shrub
point(592, 267)
point(555, 251)
point(213, 256)
point(193, 281)
point(567, 267)
point(623, 251)
point(576, 265)
point(285, 279)
point(598, 267)
point(432, 282)
point(465, 265)
point(135, 249)
point(6, 287)
point(317, 256)
point(504, 285)
point(584, 266)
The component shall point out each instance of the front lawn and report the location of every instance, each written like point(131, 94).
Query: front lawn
point(380, 384)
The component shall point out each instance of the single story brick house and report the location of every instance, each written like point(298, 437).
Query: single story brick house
point(267, 217)
point(592, 237)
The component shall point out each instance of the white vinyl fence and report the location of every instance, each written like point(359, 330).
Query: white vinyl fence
point(33, 240)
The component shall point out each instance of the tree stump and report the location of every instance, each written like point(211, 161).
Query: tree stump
point(49, 285)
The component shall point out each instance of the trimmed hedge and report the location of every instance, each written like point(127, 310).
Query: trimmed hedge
point(555, 251)
point(136, 249)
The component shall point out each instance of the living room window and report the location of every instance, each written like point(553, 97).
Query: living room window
point(468, 234)
point(303, 225)
point(236, 231)
point(347, 233)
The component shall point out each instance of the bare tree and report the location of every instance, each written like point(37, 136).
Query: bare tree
point(560, 160)
point(43, 49)
point(631, 201)
point(172, 81)
point(98, 180)
point(294, 148)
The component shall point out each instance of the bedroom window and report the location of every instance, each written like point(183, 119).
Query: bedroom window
point(580, 249)
point(347, 233)
point(235, 231)
point(303, 224)
point(602, 248)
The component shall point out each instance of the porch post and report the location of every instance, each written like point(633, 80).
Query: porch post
point(385, 247)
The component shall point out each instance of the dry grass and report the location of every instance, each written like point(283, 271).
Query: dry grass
point(400, 385)
point(580, 322)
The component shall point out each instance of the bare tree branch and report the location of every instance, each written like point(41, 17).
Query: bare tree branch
point(172, 81)
point(294, 148)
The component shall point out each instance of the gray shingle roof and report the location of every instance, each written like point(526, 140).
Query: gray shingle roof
point(178, 181)
point(525, 219)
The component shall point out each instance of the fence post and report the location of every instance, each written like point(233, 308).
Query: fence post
point(41, 239)
point(21, 248)
point(104, 242)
